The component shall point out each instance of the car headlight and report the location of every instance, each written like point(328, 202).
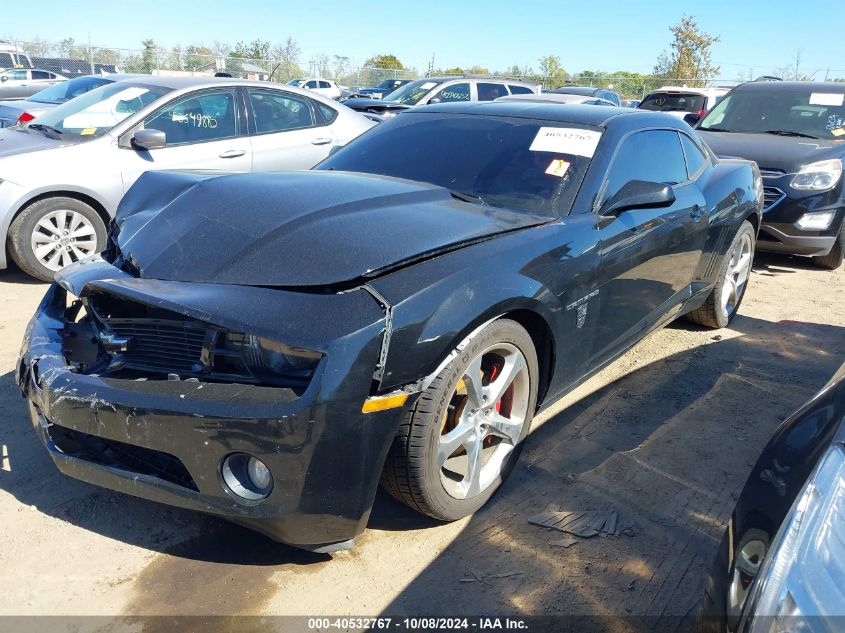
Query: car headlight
point(818, 176)
point(816, 221)
point(265, 360)
point(803, 574)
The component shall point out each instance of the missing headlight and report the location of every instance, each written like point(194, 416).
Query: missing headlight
point(264, 359)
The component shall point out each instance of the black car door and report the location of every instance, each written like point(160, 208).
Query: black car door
point(648, 255)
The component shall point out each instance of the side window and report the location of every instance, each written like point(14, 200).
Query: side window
point(277, 111)
point(328, 114)
point(199, 117)
point(695, 157)
point(325, 84)
point(455, 92)
point(40, 74)
point(653, 156)
point(520, 90)
point(311, 84)
point(17, 75)
point(490, 91)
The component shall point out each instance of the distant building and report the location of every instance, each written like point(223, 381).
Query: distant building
point(248, 70)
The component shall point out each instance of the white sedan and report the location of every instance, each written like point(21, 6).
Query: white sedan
point(63, 175)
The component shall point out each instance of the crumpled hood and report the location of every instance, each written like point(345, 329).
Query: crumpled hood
point(771, 152)
point(362, 104)
point(314, 228)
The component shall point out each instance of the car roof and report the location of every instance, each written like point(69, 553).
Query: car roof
point(687, 89)
point(480, 78)
point(556, 97)
point(176, 83)
point(792, 86)
point(577, 90)
point(579, 114)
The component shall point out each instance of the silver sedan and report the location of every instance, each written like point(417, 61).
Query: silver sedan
point(63, 175)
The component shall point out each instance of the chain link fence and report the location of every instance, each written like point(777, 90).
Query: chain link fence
point(71, 59)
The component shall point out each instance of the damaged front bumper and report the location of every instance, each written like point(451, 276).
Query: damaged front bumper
point(166, 440)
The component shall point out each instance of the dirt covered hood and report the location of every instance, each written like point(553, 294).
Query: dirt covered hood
point(293, 229)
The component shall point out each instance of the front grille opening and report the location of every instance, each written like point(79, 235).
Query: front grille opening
point(139, 341)
point(771, 196)
point(135, 459)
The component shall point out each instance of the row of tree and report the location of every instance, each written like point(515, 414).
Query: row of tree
point(687, 60)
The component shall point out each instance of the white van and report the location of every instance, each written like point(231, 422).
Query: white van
point(12, 56)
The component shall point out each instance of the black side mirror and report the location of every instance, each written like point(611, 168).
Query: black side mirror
point(636, 194)
point(692, 118)
point(149, 139)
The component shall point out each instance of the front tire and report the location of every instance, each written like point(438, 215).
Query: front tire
point(53, 233)
point(464, 434)
point(833, 259)
point(723, 302)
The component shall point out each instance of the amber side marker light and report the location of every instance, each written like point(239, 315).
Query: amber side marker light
point(382, 403)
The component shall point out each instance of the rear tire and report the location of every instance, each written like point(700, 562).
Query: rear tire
point(441, 436)
point(833, 259)
point(724, 300)
point(53, 233)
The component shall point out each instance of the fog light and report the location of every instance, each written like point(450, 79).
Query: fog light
point(246, 476)
point(258, 473)
point(818, 221)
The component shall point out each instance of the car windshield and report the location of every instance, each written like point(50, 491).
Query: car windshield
point(814, 111)
point(295, 82)
point(411, 93)
point(673, 102)
point(98, 111)
point(496, 161)
point(67, 90)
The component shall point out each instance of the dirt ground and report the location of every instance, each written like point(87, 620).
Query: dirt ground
point(666, 435)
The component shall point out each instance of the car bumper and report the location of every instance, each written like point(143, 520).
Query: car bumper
point(165, 440)
point(779, 231)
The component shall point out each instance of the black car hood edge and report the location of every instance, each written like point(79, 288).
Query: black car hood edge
point(305, 230)
point(771, 152)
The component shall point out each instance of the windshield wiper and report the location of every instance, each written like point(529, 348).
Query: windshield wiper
point(790, 133)
point(44, 128)
point(467, 197)
point(714, 129)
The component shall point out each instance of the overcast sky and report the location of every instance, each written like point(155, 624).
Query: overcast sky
point(609, 35)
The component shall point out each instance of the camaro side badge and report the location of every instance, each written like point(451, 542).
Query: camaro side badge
point(581, 304)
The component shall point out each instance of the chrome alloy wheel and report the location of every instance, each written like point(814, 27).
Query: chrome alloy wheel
point(737, 274)
point(62, 237)
point(484, 420)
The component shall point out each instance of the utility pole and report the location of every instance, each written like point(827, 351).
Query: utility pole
point(90, 53)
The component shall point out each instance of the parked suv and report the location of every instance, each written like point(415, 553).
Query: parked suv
point(325, 87)
point(680, 101)
point(385, 87)
point(795, 131)
point(443, 90)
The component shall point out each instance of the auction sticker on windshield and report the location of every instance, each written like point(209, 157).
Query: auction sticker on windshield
point(566, 140)
point(827, 98)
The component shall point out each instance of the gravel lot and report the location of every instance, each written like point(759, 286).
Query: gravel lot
point(666, 435)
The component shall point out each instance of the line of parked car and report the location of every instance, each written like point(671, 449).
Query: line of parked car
point(397, 361)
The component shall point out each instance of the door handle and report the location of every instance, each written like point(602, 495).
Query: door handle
point(321, 141)
point(233, 153)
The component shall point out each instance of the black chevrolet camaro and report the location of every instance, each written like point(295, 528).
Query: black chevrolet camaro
point(268, 347)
